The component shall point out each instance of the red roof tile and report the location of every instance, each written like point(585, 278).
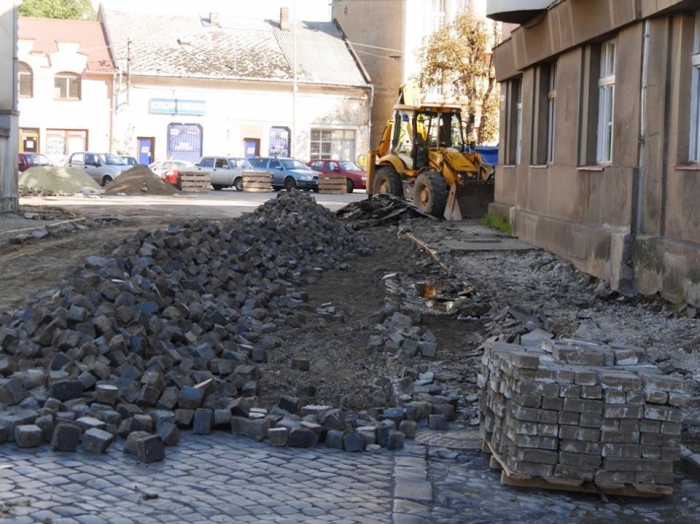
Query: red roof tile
point(48, 32)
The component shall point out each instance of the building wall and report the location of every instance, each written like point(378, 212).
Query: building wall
point(48, 115)
point(633, 222)
point(234, 111)
point(9, 196)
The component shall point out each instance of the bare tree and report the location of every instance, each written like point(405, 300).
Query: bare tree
point(458, 62)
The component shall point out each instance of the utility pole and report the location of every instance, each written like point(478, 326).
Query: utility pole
point(293, 138)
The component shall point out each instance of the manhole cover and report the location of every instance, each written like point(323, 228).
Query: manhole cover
point(453, 439)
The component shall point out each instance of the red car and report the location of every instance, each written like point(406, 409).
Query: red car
point(27, 160)
point(356, 177)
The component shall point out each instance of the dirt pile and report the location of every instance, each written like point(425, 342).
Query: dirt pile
point(56, 180)
point(139, 180)
point(381, 209)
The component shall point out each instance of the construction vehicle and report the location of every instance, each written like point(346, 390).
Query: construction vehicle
point(423, 156)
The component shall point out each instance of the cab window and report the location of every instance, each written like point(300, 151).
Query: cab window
point(221, 162)
point(207, 162)
point(275, 164)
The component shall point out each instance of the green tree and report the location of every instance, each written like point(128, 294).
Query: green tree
point(64, 9)
point(458, 61)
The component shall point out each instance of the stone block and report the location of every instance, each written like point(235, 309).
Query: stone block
point(66, 437)
point(183, 418)
point(130, 444)
point(150, 449)
point(106, 394)
point(289, 403)
point(302, 438)
point(169, 433)
point(278, 437)
point(408, 428)
point(96, 441)
point(239, 425)
point(203, 421)
point(11, 391)
point(190, 397)
point(437, 422)
point(334, 439)
point(67, 390)
point(28, 435)
point(257, 429)
point(352, 442)
point(45, 422)
point(396, 440)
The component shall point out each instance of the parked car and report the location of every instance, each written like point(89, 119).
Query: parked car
point(103, 167)
point(169, 170)
point(356, 177)
point(287, 173)
point(27, 160)
point(224, 171)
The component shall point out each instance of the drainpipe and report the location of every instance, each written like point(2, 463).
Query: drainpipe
point(627, 274)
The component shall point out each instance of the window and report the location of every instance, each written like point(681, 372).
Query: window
point(222, 163)
point(78, 158)
point(551, 113)
point(333, 143)
point(25, 80)
point(207, 162)
point(514, 121)
point(438, 15)
point(694, 153)
point(61, 142)
point(545, 115)
point(66, 86)
point(606, 103)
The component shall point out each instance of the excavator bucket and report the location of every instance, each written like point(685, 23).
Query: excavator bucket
point(452, 211)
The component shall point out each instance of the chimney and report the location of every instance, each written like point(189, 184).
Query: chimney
point(284, 18)
point(214, 19)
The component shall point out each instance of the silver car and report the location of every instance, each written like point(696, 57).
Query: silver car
point(103, 167)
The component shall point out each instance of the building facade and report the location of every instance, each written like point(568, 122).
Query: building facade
point(214, 84)
point(387, 35)
point(600, 147)
point(65, 87)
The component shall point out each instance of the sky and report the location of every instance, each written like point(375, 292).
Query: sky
point(309, 10)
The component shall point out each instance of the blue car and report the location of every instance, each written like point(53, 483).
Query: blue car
point(287, 173)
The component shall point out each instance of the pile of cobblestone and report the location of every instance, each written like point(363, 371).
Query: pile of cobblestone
point(167, 331)
point(582, 412)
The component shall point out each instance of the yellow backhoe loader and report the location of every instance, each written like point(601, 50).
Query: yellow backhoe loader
point(423, 157)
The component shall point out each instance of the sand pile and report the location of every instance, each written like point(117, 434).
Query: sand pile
point(57, 180)
point(139, 180)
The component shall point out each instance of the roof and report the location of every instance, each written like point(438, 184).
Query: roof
point(47, 33)
point(237, 48)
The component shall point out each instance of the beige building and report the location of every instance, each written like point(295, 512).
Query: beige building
point(9, 196)
point(600, 137)
point(387, 35)
point(218, 84)
point(65, 87)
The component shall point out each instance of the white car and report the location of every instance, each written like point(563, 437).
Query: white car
point(163, 167)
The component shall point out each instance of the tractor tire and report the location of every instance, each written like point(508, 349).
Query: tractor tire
point(430, 194)
point(388, 181)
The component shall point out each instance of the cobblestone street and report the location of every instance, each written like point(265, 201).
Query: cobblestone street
point(223, 478)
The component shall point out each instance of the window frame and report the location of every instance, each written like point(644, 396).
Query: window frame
point(327, 143)
point(67, 77)
point(552, 113)
point(514, 122)
point(28, 72)
point(694, 146)
point(606, 102)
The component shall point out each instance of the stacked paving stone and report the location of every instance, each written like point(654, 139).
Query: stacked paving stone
point(166, 331)
point(582, 412)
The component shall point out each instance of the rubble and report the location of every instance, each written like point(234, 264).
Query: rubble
point(166, 331)
point(381, 209)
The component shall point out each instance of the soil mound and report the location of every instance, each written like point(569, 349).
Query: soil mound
point(57, 179)
point(140, 180)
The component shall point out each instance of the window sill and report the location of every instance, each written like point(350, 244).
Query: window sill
point(539, 166)
point(593, 168)
point(509, 166)
point(67, 99)
point(687, 167)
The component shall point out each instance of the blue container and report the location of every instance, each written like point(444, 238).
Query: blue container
point(488, 153)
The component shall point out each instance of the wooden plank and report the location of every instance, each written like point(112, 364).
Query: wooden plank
point(620, 490)
point(332, 184)
point(257, 182)
point(506, 469)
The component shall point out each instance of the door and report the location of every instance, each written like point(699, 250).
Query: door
point(146, 147)
point(29, 140)
point(275, 169)
point(251, 146)
point(184, 142)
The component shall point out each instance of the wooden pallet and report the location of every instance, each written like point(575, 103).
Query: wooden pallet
point(334, 185)
point(257, 182)
point(520, 480)
point(194, 181)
